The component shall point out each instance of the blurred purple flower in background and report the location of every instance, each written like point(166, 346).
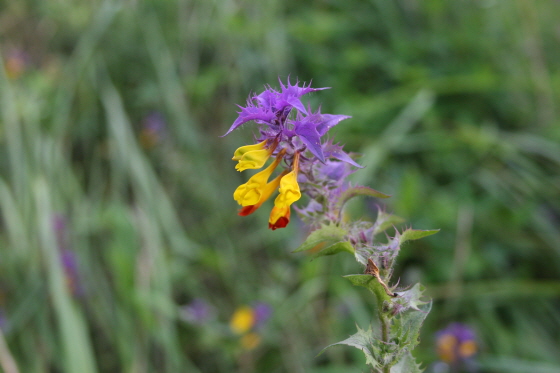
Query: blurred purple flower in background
point(67, 256)
point(16, 62)
point(72, 275)
point(197, 312)
point(262, 312)
point(456, 346)
point(153, 129)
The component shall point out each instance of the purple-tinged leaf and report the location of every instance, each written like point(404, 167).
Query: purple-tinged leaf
point(328, 121)
point(267, 99)
point(335, 151)
point(250, 113)
point(296, 102)
point(309, 136)
point(296, 90)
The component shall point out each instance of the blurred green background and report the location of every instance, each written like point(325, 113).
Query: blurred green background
point(120, 247)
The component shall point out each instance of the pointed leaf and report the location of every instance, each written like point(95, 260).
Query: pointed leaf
point(414, 234)
point(371, 283)
point(385, 221)
point(411, 298)
point(355, 192)
point(328, 121)
point(406, 325)
point(334, 249)
point(406, 364)
point(363, 340)
point(248, 114)
point(308, 134)
point(335, 151)
point(331, 239)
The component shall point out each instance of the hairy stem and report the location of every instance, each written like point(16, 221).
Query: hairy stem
point(385, 325)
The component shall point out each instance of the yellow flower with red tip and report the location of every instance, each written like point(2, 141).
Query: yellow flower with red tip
point(289, 193)
point(266, 192)
point(279, 217)
point(258, 189)
point(250, 193)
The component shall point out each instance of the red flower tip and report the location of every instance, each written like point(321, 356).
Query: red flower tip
point(280, 223)
point(248, 210)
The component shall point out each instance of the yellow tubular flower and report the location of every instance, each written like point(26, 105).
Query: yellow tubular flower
point(250, 193)
point(253, 160)
point(266, 192)
point(289, 187)
point(253, 156)
point(238, 154)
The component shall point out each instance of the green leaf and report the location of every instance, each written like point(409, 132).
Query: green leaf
point(406, 325)
point(414, 234)
point(363, 340)
point(406, 364)
point(411, 297)
point(358, 191)
point(330, 239)
point(385, 221)
point(371, 283)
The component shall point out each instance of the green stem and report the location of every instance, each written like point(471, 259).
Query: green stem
point(385, 323)
point(384, 334)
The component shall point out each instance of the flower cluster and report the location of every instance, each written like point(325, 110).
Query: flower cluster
point(289, 133)
point(246, 321)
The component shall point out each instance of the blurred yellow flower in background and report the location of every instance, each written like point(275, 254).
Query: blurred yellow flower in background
point(242, 320)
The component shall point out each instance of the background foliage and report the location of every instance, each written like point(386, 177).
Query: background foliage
point(111, 113)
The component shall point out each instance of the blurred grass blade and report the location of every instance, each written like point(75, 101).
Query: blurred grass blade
point(7, 361)
point(374, 154)
point(143, 177)
point(513, 365)
point(78, 353)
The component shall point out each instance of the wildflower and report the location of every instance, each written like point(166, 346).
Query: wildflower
point(253, 156)
point(153, 130)
point(67, 256)
point(292, 133)
point(251, 192)
point(71, 273)
point(15, 64)
point(288, 193)
point(247, 320)
point(262, 313)
point(242, 320)
point(456, 343)
point(197, 312)
point(266, 192)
